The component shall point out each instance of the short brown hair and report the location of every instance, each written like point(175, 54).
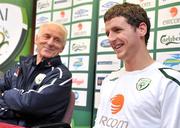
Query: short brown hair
point(134, 14)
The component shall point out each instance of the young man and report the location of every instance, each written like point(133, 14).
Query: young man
point(37, 90)
point(144, 94)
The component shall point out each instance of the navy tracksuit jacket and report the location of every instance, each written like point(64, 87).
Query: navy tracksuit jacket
point(35, 94)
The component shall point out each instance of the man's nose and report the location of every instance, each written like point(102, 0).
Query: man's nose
point(111, 36)
point(50, 41)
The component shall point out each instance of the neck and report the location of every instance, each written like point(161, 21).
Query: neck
point(138, 62)
point(38, 59)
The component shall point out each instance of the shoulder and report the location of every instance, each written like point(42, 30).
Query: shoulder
point(171, 74)
point(114, 75)
point(168, 73)
point(27, 58)
point(62, 70)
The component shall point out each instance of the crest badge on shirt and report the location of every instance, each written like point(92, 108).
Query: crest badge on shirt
point(143, 83)
point(39, 78)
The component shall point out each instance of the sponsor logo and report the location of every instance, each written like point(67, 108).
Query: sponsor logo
point(81, 13)
point(12, 31)
point(76, 95)
point(42, 19)
point(105, 62)
point(165, 39)
point(112, 122)
point(62, 18)
point(4, 14)
point(117, 103)
point(62, 13)
point(147, 4)
point(105, 43)
point(39, 78)
point(43, 4)
point(80, 27)
point(173, 11)
point(109, 4)
point(142, 83)
point(99, 80)
point(80, 30)
point(77, 81)
point(78, 63)
point(4, 36)
point(173, 60)
point(60, 1)
point(78, 47)
point(144, 4)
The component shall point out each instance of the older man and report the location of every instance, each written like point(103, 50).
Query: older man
point(37, 90)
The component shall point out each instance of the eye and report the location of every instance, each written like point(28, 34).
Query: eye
point(46, 36)
point(117, 30)
point(57, 39)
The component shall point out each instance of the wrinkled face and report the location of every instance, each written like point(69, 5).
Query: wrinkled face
point(50, 41)
point(124, 38)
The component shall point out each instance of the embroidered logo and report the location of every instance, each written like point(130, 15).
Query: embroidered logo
point(39, 78)
point(142, 83)
point(117, 103)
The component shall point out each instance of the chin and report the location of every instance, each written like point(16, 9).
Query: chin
point(47, 56)
point(120, 57)
point(117, 56)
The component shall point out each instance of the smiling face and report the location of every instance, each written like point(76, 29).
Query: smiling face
point(50, 41)
point(124, 38)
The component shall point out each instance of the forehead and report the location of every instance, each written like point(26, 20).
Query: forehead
point(116, 22)
point(52, 29)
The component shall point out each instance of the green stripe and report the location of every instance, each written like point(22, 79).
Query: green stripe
point(168, 76)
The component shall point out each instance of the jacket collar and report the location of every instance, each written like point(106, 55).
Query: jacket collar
point(50, 62)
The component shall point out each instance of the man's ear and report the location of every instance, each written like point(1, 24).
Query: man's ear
point(142, 29)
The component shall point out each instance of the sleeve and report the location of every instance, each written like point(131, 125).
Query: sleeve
point(5, 81)
point(50, 97)
point(2, 85)
point(170, 102)
point(5, 84)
